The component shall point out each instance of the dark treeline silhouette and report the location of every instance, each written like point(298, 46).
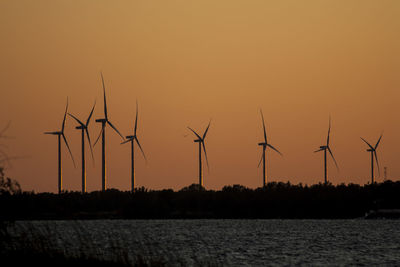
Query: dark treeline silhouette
point(276, 200)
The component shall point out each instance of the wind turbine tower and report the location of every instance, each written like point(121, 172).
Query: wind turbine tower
point(264, 145)
point(84, 129)
point(132, 139)
point(325, 148)
point(104, 121)
point(201, 141)
point(59, 135)
point(372, 150)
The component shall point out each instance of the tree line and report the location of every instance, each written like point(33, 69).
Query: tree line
point(276, 200)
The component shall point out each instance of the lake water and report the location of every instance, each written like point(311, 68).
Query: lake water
point(225, 242)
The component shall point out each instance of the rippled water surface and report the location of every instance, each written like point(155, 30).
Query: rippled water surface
point(225, 242)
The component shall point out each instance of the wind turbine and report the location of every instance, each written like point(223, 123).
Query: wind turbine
point(200, 140)
point(104, 121)
point(265, 145)
point(133, 138)
point(84, 129)
point(373, 152)
point(59, 135)
point(324, 148)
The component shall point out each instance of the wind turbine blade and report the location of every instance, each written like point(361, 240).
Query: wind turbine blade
point(265, 132)
point(65, 115)
point(205, 133)
point(330, 152)
point(377, 162)
point(102, 129)
point(377, 143)
point(112, 126)
point(194, 133)
point(329, 132)
point(104, 92)
point(275, 149)
point(72, 157)
point(367, 143)
point(90, 115)
point(259, 163)
point(127, 141)
point(134, 132)
point(205, 153)
point(137, 141)
point(90, 143)
point(81, 123)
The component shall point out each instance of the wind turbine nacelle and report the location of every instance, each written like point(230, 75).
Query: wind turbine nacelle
point(196, 141)
point(79, 127)
point(54, 133)
point(129, 136)
point(101, 120)
point(322, 147)
point(262, 144)
point(370, 150)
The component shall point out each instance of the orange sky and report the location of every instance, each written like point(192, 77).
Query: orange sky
point(189, 61)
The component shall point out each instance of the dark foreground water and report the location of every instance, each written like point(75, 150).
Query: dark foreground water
point(223, 242)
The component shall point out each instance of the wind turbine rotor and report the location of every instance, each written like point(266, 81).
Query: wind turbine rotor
point(70, 153)
point(90, 115)
point(205, 154)
point(198, 136)
point(367, 144)
point(330, 152)
point(329, 132)
point(81, 123)
point(377, 162)
point(265, 132)
point(90, 142)
point(115, 129)
point(128, 139)
point(275, 149)
point(98, 138)
point(377, 143)
point(104, 93)
point(140, 147)
point(65, 115)
point(205, 133)
point(136, 119)
point(262, 156)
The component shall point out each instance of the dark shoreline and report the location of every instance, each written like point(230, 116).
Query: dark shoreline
point(276, 201)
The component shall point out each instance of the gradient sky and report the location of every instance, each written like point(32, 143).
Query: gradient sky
point(189, 61)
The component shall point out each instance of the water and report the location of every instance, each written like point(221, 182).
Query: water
point(225, 242)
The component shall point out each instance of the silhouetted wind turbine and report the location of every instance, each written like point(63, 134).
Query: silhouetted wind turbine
point(265, 145)
point(104, 121)
point(200, 140)
point(324, 148)
point(59, 135)
point(84, 129)
point(373, 152)
point(133, 138)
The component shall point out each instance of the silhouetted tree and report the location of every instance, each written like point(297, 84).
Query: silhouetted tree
point(193, 187)
point(276, 200)
point(7, 185)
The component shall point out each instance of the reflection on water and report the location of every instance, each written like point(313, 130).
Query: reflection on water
point(226, 242)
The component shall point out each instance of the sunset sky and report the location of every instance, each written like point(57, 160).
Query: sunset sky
point(186, 62)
